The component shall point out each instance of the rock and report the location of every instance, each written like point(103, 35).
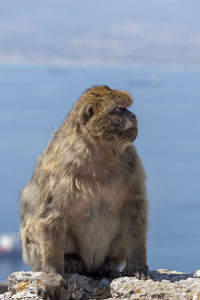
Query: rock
point(167, 284)
point(196, 273)
point(23, 285)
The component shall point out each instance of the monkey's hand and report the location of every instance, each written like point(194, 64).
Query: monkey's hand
point(139, 272)
point(50, 285)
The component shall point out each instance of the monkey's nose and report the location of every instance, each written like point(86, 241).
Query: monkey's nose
point(134, 119)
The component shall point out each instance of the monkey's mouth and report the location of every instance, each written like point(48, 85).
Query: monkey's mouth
point(131, 127)
point(130, 124)
point(131, 133)
point(132, 130)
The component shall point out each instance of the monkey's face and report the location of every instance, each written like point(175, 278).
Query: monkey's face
point(104, 116)
point(117, 125)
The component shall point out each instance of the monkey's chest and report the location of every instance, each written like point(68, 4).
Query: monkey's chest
point(95, 233)
point(95, 227)
point(95, 222)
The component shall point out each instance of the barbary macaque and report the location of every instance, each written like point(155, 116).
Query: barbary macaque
point(85, 208)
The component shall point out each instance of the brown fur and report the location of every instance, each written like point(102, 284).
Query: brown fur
point(85, 208)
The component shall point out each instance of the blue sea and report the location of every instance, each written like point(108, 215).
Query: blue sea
point(34, 102)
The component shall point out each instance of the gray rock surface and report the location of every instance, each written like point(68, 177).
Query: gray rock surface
point(167, 284)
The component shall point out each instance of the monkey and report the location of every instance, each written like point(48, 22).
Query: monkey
point(85, 208)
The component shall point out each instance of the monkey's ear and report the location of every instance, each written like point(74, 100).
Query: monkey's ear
point(88, 113)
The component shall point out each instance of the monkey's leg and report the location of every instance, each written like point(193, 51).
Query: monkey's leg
point(108, 269)
point(74, 264)
point(136, 226)
point(114, 259)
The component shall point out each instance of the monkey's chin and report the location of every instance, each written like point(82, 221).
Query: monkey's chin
point(131, 134)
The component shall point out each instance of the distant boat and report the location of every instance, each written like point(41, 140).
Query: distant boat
point(10, 244)
point(151, 81)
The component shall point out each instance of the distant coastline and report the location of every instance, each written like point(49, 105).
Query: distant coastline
point(60, 64)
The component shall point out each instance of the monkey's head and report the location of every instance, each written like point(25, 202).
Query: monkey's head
point(102, 114)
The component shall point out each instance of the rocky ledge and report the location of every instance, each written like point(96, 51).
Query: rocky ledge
point(167, 284)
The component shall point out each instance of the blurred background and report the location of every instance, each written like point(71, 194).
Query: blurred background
point(53, 50)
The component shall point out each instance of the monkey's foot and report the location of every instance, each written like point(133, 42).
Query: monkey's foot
point(50, 286)
point(142, 273)
point(74, 264)
point(108, 269)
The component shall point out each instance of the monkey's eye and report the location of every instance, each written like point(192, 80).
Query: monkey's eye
point(120, 109)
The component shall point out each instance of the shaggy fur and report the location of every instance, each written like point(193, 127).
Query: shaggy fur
point(85, 207)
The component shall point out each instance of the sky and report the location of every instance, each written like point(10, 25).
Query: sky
point(126, 33)
point(107, 32)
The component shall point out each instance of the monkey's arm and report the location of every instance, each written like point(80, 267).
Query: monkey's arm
point(51, 239)
point(136, 218)
point(135, 223)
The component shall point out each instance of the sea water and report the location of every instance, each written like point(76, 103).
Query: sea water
point(34, 102)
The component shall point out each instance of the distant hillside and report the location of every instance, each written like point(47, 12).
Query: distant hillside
point(128, 32)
